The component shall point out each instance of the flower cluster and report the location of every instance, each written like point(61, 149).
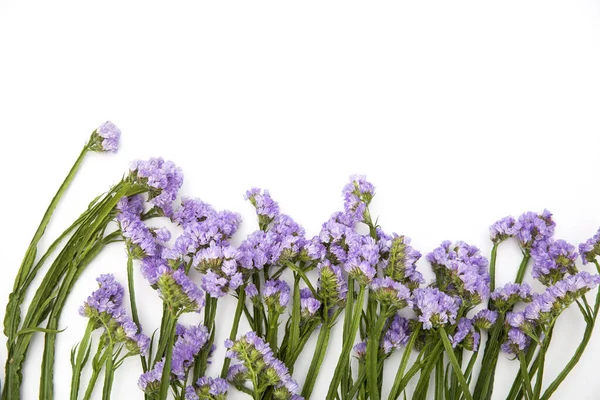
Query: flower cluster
point(485, 319)
point(207, 388)
point(590, 249)
point(309, 305)
point(333, 286)
point(362, 259)
point(399, 259)
point(506, 297)
point(462, 271)
point(552, 260)
point(502, 229)
point(105, 138)
point(266, 208)
point(276, 295)
point(390, 293)
point(219, 263)
point(255, 355)
point(435, 308)
point(162, 178)
point(358, 193)
point(466, 335)
point(189, 342)
point(104, 307)
point(178, 291)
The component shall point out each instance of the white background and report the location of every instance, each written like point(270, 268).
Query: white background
point(460, 112)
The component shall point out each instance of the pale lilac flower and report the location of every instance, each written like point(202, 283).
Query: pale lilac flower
point(552, 260)
point(105, 138)
point(485, 319)
point(186, 348)
point(162, 178)
point(517, 342)
point(357, 196)
point(590, 249)
point(465, 335)
point(397, 334)
point(435, 308)
point(502, 229)
point(532, 228)
point(308, 304)
point(390, 293)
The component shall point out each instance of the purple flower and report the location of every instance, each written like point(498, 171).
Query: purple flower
point(286, 239)
point(149, 381)
point(363, 256)
point(107, 299)
point(187, 346)
point(162, 178)
point(308, 304)
point(552, 260)
point(207, 388)
point(357, 196)
point(590, 249)
point(485, 319)
point(435, 308)
point(140, 240)
point(396, 335)
point(517, 342)
point(465, 335)
point(266, 208)
point(105, 138)
point(502, 229)
point(532, 228)
point(391, 293)
point(251, 291)
point(276, 294)
point(237, 373)
point(192, 211)
point(255, 252)
point(463, 271)
point(219, 263)
point(510, 294)
point(360, 349)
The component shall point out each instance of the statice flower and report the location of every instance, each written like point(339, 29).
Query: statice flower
point(255, 355)
point(162, 178)
point(518, 320)
point(360, 349)
point(506, 297)
point(308, 304)
point(332, 285)
point(357, 196)
point(400, 259)
point(544, 307)
point(397, 334)
point(191, 211)
point(363, 256)
point(141, 240)
point(552, 260)
point(590, 249)
point(219, 263)
point(466, 335)
point(286, 239)
point(105, 138)
point(532, 228)
point(335, 235)
point(435, 308)
point(485, 319)
point(104, 307)
point(251, 292)
point(502, 229)
point(516, 342)
point(462, 271)
point(189, 342)
point(266, 208)
point(207, 388)
point(390, 293)
point(276, 295)
point(149, 382)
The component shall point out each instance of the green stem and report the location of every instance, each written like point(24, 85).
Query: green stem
point(108, 371)
point(234, 328)
point(348, 342)
point(457, 369)
point(523, 268)
point(82, 352)
point(493, 267)
point(319, 355)
point(132, 302)
point(295, 319)
point(395, 391)
point(166, 375)
point(373, 343)
point(525, 376)
point(350, 298)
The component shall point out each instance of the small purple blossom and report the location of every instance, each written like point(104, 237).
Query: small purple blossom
point(360, 349)
point(390, 293)
point(105, 138)
point(149, 382)
point(463, 270)
point(590, 249)
point(396, 335)
point(485, 319)
point(502, 229)
point(207, 388)
point(363, 256)
point(465, 335)
point(276, 293)
point(552, 260)
point(308, 304)
point(139, 238)
point(532, 228)
point(266, 208)
point(435, 308)
point(516, 343)
point(510, 294)
point(251, 291)
point(163, 179)
point(106, 299)
point(187, 346)
point(358, 193)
